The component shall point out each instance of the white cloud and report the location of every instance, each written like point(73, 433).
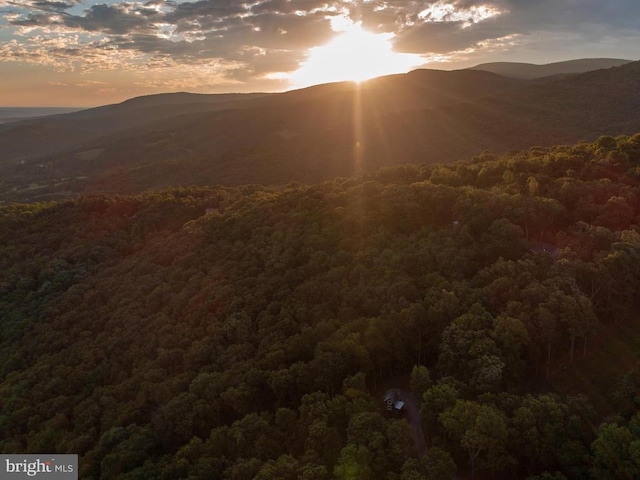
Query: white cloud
point(448, 12)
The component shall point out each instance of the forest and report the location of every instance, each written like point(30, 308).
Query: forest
point(251, 332)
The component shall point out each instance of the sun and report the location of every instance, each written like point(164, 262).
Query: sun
point(355, 55)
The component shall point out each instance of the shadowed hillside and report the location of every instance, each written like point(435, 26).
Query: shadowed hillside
point(530, 71)
point(313, 134)
point(41, 136)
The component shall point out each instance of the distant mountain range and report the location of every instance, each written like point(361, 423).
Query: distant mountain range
point(313, 134)
point(530, 71)
point(12, 114)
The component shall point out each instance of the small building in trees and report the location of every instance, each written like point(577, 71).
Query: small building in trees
point(392, 402)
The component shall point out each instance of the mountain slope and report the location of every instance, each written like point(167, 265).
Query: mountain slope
point(321, 132)
point(36, 137)
point(530, 71)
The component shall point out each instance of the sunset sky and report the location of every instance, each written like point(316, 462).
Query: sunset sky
point(89, 53)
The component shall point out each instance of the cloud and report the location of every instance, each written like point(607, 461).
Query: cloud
point(91, 84)
point(450, 26)
point(113, 19)
point(207, 8)
point(272, 36)
point(258, 39)
point(52, 6)
point(450, 36)
point(29, 5)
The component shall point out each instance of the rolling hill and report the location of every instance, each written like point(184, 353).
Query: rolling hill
point(309, 135)
point(530, 71)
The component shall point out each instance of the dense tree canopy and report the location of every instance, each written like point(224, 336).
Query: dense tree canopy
point(250, 332)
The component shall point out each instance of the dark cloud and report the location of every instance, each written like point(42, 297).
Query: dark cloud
point(517, 17)
point(115, 19)
point(569, 14)
point(28, 8)
point(446, 37)
point(299, 24)
point(52, 6)
point(35, 20)
point(153, 45)
point(269, 29)
point(256, 65)
point(40, 13)
point(111, 19)
point(289, 31)
point(287, 6)
point(206, 8)
point(262, 43)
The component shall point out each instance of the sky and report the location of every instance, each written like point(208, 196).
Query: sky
point(82, 53)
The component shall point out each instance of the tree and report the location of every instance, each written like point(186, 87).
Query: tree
point(616, 453)
point(622, 266)
point(412, 470)
point(435, 401)
point(354, 462)
point(313, 472)
point(399, 442)
point(629, 390)
point(529, 432)
point(512, 338)
point(479, 429)
point(127, 448)
point(243, 469)
point(438, 465)
point(544, 329)
point(284, 468)
point(420, 381)
point(469, 353)
point(571, 307)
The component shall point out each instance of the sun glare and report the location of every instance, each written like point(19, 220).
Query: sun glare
point(355, 55)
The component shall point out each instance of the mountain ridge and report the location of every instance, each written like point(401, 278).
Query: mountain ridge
point(312, 134)
point(530, 71)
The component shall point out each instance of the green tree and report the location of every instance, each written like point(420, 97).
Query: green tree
point(420, 381)
point(539, 429)
point(435, 401)
point(616, 453)
point(481, 431)
point(284, 468)
point(438, 465)
point(354, 462)
point(469, 353)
